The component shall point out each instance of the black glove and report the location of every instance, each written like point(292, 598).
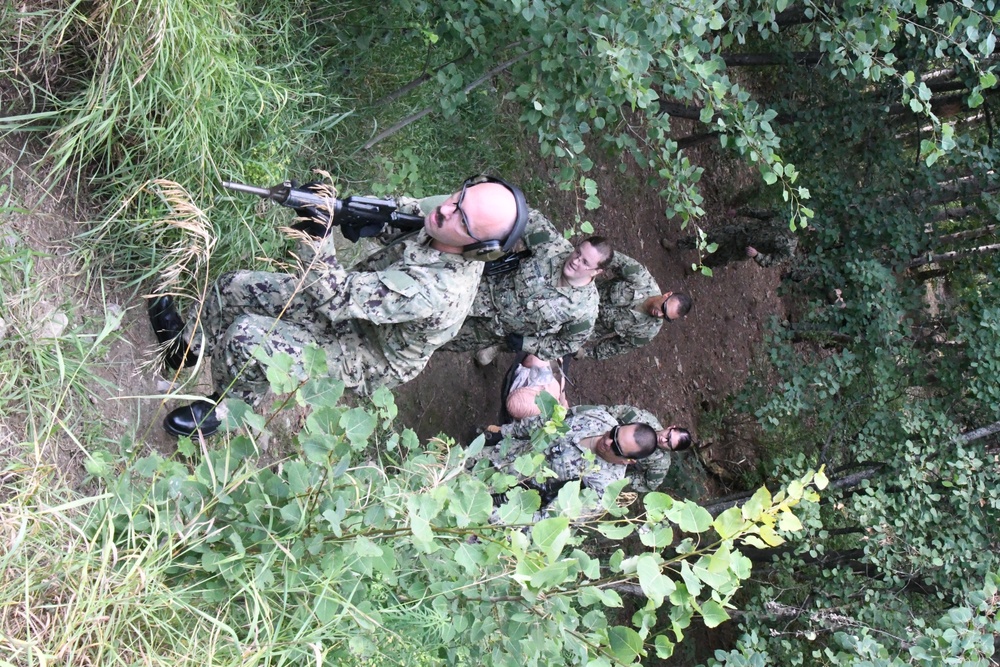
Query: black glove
point(355, 231)
point(492, 439)
point(515, 342)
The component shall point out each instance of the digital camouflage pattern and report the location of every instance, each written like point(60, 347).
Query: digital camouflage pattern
point(565, 456)
point(378, 325)
point(765, 231)
point(621, 324)
point(645, 474)
point(553, 320)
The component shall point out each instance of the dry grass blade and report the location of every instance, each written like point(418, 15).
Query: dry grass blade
point(192, 252)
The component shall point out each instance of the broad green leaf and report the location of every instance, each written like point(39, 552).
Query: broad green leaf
point(691, 517)
point(326, 609)
point(625, 643)
point(664, 647)
point(569, 501)
point(278, 370)
point(691, 580)
point(820, 480)
point(314, 361)
point(609, 500)
point(657, 504)
point(790, 522)
point(760, 501)
point(550, 536)
point(471, 504)
point(729, 523)
point(614, 531)
point(658, 538)
point(554, 574)
point(713, 614)
point(654, 583)
point(772, 538)
point(316, 446)
point(358, 425)
point(297, 474)
point(321, 391)
point(591, 595)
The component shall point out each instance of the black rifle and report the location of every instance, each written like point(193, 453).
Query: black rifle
point(357, 216)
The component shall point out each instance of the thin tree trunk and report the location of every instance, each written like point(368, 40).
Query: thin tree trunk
point(968, 234)
point(954, 255)
point(980, 432)
point(419, 81)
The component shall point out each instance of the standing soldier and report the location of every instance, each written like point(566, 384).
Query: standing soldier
point(595, 450)
point(547, 307)
point(376, 326)
point(759, 235)
point(631, 310)
point(647, 474)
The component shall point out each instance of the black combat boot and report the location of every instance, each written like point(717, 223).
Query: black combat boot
point(188, 420)
point(168, 327)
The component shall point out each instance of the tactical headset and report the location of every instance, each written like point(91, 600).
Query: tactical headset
point(488, 251)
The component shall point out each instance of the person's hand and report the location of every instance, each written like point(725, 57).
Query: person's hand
point(492, 428)
point(580, 354)
point(515, 342)
point(751, 251)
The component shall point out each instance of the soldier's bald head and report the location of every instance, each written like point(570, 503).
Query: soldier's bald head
point(492, 211)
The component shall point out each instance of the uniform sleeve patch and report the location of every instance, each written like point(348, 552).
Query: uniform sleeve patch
point(579, 327)
point(400, 282)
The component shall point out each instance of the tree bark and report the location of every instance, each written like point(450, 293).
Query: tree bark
point(954, 255)
point(968, 234)
point(980, 432)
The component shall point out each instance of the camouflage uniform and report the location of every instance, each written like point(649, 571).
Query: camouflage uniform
point(566, 456)
point(378, 326)
point(553, 320)
point(766, 232)
point(622, 324)
point(646, 474)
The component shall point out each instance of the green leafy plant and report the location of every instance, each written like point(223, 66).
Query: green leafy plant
point(364, 535)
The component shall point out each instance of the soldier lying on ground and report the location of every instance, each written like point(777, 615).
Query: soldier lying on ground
point(547, 306)
point(377, 325)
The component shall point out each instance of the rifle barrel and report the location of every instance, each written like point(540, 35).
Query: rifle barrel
point(249, 189)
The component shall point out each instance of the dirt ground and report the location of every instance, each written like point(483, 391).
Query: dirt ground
point(688, 369)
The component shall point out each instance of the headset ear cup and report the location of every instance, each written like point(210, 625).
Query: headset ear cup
point(486, 251)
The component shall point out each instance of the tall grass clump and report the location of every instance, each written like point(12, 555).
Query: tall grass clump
point(70, 596)
point(190, 91)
